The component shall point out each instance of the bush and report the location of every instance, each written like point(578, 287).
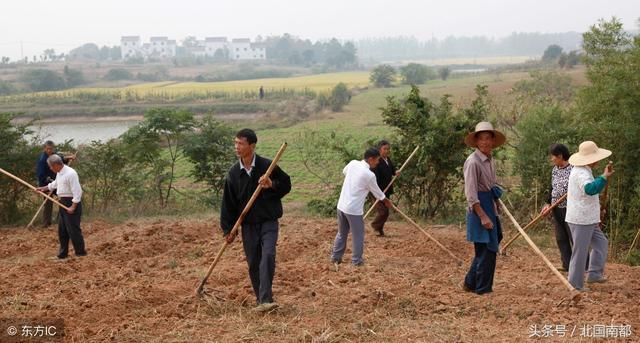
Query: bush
point(117, 74)
point(416, 74)
point(430, 184)
point(107, 174)
point(39, 80)
point(383, 75)
point(211, 151)
point(17, 156)
point(6, 88)
point(73, 77)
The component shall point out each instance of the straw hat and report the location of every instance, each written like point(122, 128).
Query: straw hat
point(482, 126)
point(588, 153)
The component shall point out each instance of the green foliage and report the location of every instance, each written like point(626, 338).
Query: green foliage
point(383, 75)
point(107, 174)
point(430, 184)
point(569, 60)
point(444, 73)
point(210, 149)
point(6, 87)
point(416, 74)
point(340, 96)
point(552, 53)
point(326, 206)
point(73, 77)
point(293, 50)
point(116, 74)
point(610, 112)
point(161, 128)
point(39, 80)
point(17, 156)
point(323, 155)
point(542, 126)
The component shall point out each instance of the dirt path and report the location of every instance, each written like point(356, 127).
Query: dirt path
point(137, 285)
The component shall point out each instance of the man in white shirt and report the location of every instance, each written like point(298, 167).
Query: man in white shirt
point(69, 191)
point(358, 182)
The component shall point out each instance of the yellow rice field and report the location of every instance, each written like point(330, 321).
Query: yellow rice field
point(316, 83)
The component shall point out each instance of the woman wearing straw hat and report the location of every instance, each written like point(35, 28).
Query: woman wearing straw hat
point(583, 214)
point(481, 191)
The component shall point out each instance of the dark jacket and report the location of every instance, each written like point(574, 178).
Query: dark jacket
point(384, 173)
point(239, 187)
point(44, 174)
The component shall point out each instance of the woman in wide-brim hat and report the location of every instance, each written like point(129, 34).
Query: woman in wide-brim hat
point(583, 214)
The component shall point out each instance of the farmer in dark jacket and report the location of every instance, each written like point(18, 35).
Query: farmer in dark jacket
point(45, 176)
point(385, 171)
point(260, 226)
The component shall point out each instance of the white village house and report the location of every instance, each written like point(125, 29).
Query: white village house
point(162, 47)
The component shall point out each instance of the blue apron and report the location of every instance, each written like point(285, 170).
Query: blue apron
point(475, 231)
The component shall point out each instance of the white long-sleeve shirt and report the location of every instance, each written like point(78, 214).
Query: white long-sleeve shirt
point(358, 182)
point(67, 183)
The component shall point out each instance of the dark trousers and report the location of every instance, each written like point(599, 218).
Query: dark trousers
point(563, 235)
point(69, 228)
point(480, 276)
point(259, 242)
point(47, 211)
point(382, 214)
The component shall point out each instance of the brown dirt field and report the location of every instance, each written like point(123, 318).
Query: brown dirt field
point(138, 282)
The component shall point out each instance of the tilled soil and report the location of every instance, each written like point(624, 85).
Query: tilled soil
point(137, 285)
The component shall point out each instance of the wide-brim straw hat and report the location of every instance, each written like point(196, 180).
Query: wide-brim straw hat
point(588, 152)
point(483, 126)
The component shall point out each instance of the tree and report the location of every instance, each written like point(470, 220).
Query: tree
point(440, 133)
point(118, 74)
point(210, 149)
point(552, 53)
point(416, 74)
point(107, 173)
point(573, 59)
point(444, 73)
point(73, 77)
point(50, 54)
point(88, 51)
point(17, 156)
point(608, 108)
point(190, 42)
point(383, 75)
point(42, 80)
point(161, 130)
point(340, 96)
point(221, 55)
point(6, 88)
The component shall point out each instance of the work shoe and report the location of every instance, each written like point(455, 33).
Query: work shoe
point(463, 286)
point(599, 280)
point(265, 307)
point(380, 232)
point(562, 269)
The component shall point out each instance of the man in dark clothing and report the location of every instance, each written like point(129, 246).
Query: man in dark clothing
point(260, 226)
point(385, 171)
point(45, 175)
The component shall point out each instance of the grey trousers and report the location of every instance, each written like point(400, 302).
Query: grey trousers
point(347, 222)
point(583, 237)
point(259, 242)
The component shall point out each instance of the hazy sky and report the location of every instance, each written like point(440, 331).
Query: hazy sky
point(65, 24)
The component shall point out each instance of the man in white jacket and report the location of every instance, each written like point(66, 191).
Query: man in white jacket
point(358, 182)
